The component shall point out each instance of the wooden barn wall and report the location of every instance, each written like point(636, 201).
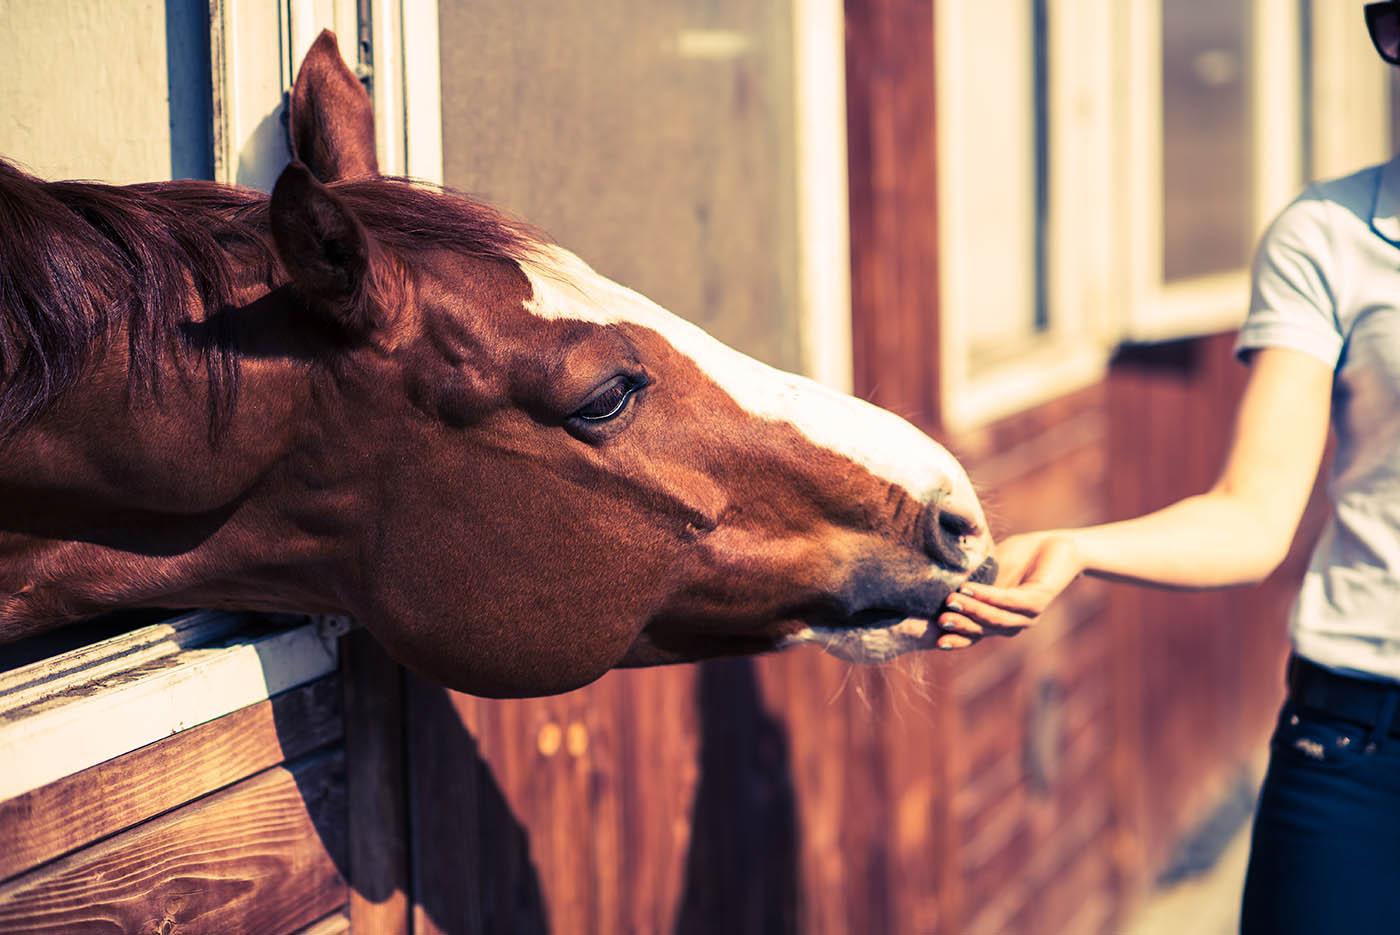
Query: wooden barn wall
point(1205, 670)
point(1035, 784)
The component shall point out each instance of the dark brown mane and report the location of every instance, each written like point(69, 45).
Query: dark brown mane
point(80, 261)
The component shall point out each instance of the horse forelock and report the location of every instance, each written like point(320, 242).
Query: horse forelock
point(83, 261)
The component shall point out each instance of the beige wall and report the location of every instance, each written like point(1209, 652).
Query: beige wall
point(84, 88)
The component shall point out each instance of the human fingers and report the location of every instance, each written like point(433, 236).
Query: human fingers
point(1022, 600)
point(957, 623)
point(954, 641)
point(990, 618)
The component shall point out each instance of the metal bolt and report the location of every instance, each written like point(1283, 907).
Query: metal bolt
point(1293, 721)
point(1343, 741)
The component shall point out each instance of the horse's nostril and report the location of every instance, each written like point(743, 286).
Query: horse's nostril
point(944, 532)
point(955, 525)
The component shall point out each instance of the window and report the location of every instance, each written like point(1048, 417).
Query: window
point(1207, 138)
point(695, 153)
point(1214, 151)
point(1025, 107)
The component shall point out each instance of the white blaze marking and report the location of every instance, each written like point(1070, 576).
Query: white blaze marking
point(887, 446)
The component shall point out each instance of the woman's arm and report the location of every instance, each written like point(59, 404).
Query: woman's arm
point(1235, 533)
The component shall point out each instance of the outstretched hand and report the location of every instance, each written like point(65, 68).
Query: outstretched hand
point(1034, 569)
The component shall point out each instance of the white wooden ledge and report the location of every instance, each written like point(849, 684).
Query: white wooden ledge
point(77, 709)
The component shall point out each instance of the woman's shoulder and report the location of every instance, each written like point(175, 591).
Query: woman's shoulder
point(1345, 200)
point(1356, 190)
point(1332, 211)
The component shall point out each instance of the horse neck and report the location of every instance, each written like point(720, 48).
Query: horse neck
point(105, 506)
point(118, 492)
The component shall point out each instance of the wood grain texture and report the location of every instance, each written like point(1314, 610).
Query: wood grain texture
point(137, 689)
point(893, 204)
point(336, 924)
point(570, 814)
point(62, 816)
point(374, 751)
point(1201, 674)
point(262, 857)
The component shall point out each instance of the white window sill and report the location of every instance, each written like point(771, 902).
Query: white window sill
point(1013, 386)
point(69, 712)
point(1208, 305)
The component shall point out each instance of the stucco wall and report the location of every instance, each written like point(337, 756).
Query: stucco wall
point(86, 91)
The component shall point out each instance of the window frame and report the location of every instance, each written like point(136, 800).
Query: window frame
point(255, 50)
point(1073, 350)
point(1349, 100)
point(1157, 310)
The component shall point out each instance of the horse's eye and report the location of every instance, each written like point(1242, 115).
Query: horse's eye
point(610, 401)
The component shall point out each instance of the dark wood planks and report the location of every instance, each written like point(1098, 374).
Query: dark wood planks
point(1032, 797)
point(1202, 672)
point(571, 814)
point(374, 750)
point(335, 924)
point(58, 818)
point(261, 857)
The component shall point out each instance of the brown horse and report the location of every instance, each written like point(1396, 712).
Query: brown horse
point(371, 397)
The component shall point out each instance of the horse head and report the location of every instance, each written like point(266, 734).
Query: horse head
point(519, 474)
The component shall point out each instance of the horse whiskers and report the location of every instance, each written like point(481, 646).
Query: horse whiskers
point(846, 680)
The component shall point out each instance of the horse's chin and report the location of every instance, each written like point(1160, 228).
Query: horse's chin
point(873, 642)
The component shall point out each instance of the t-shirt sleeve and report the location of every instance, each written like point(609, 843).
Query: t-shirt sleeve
point(1293, 303)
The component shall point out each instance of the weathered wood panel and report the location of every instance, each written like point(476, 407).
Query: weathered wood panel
point(102, 701)
point(1204, 671)
point(374, 751)
point(337, 924)
point(75, 811)
point(893, 204)
point(1033, 809)
point(261, 857)
point(571, 812)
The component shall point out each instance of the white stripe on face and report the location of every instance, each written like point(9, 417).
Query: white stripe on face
point(887, 446)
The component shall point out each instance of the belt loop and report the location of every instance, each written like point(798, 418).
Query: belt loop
point(1390, 700)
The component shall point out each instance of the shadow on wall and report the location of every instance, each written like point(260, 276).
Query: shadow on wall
point(742, 872)
point(490, 885)
point(487, 882)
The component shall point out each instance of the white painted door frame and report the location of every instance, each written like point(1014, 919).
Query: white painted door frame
point(257, 46)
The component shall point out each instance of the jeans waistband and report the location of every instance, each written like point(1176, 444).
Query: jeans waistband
point(1372, 705)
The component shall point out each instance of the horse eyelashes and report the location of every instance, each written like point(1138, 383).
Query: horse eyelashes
point(610, 402)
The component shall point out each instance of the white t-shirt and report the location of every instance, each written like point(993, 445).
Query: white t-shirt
point(1327, 283)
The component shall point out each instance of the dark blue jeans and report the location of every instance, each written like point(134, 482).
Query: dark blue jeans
point(1325, 854)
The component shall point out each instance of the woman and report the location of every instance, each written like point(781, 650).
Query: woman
point(1322, 341)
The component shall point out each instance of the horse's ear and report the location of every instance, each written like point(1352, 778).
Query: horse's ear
point(332, 259)
point(331, 116)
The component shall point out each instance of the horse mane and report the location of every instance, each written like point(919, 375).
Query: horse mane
point(81, 260)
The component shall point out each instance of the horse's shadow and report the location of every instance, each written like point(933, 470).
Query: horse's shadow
point(741, 868)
